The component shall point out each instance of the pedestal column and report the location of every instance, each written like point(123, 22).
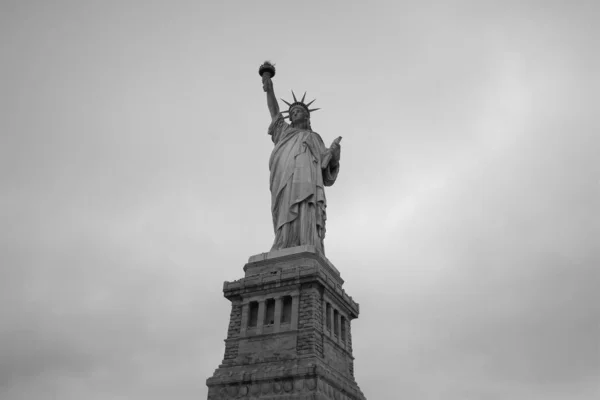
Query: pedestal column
point(295, 307)
point(278, 306)
point(261, 317)
point(244, 323)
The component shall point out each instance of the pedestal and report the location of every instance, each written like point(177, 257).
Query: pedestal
point(289, 333)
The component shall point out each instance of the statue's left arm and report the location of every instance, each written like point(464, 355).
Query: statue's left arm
point(331, 162)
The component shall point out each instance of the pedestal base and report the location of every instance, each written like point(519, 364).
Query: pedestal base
point(289, 333)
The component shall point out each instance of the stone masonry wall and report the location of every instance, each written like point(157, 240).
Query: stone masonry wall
point(349, 335)
point(310, 320)
point(235, 323)
point(235, 319)
point(349, 344)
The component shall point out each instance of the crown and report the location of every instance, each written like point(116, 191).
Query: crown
point(298, 103)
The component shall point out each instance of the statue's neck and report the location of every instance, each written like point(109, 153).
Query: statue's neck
point(301, 125)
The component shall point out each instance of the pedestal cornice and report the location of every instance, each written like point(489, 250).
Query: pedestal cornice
point(290, 267)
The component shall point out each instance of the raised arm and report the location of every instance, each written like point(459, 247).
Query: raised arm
point(271, 99)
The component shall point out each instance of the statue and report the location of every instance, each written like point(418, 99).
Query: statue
point(300, 167)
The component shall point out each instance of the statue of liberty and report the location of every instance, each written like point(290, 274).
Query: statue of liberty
point(300, 166)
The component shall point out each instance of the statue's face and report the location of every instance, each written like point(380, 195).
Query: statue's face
point(298, 114)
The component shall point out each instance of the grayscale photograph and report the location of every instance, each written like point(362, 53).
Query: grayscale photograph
point(309, 200)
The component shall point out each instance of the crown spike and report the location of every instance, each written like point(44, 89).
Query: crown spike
point(295, 100)
point(303, 97)
point(286, 102)
point(314, 109)
point(310, 103)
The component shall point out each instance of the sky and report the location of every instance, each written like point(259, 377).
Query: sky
point(134, 169)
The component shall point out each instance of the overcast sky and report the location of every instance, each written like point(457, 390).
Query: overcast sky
point(134, 181)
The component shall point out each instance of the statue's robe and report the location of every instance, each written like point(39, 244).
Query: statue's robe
point(300, 168)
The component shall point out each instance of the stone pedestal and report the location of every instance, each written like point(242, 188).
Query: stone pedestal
point(289, 333)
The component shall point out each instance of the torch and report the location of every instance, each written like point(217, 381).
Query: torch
point(267, 70)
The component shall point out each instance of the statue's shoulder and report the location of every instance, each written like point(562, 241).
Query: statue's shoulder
point(316, 135)
point(278, 126)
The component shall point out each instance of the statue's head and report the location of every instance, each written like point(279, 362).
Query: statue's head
point(299, 113)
